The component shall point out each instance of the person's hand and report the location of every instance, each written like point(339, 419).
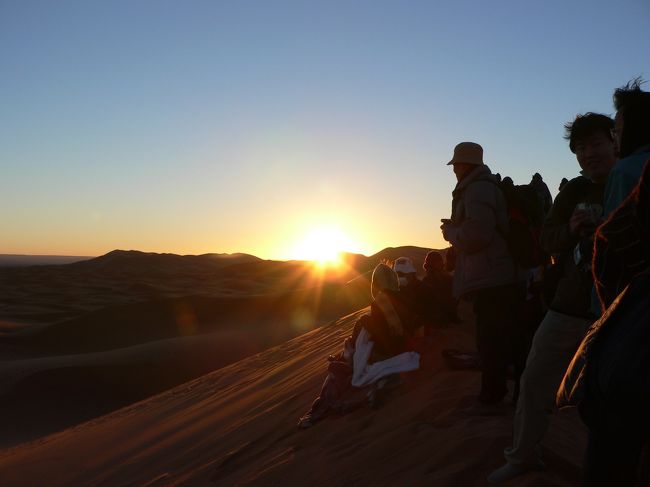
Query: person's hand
point(580, 220)
point(444, 227)
point(446, 224)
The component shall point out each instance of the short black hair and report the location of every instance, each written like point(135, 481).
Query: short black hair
point(586, 125)
point(633, 104)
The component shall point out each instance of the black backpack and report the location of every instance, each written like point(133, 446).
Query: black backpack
point(525, 219)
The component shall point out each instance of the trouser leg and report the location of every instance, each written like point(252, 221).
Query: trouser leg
point(554, 344)
point(495, 310)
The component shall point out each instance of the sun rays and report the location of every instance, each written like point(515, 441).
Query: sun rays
point(324, 245)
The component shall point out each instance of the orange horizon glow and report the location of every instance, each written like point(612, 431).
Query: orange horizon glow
point(303, 238)
point(324, 245)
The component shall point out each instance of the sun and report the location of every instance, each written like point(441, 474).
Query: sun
point(323, 245)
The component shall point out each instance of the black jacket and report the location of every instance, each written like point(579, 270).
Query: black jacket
point(573, 294)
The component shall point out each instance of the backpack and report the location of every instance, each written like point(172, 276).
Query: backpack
point(525, 219)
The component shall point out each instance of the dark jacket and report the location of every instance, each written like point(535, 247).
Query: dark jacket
point(390, 324)
point(573, 294)
point(622, 243)
point(479, 222)
point(440, 305)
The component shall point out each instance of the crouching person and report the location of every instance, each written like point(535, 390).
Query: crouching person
point(372, 357)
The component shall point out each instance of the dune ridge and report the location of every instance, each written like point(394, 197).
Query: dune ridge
point(237, 426)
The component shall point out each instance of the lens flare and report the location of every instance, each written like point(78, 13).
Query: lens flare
point(323, 245)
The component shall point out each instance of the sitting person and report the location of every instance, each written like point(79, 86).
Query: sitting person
point(393, 318)
point(412, 292)
point(441, 305)
point(376, 351)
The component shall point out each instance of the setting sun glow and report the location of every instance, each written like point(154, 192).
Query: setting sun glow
point(324, 246)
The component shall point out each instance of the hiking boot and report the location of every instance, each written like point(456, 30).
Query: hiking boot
point(510, 471)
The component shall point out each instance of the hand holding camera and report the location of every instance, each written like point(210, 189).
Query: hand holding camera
point(585, 218)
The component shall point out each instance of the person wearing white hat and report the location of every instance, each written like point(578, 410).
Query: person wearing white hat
point(405, 270)
point(411, 290)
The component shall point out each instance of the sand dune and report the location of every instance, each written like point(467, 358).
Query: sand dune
point(237, 426)
point(81, 340)
point(47, 394)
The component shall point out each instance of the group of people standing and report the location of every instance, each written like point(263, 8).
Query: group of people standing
point(573, 327)
point(611, 154)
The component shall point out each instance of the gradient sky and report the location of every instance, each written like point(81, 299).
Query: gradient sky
point(207, 126)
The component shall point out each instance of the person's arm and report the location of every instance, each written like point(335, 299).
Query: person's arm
point(480, 225)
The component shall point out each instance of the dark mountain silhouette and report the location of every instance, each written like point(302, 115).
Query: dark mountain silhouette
point(134, 262)
point(18, 260)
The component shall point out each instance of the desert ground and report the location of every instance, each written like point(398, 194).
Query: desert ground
point(162, 386)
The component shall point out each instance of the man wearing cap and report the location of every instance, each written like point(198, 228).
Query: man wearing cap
point(485, 271)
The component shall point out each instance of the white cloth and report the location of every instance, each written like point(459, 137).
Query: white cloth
point(364, 374)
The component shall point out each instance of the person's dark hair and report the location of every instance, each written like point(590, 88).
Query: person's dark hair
point(586, 125)
point(433, 260)
point(633, 104)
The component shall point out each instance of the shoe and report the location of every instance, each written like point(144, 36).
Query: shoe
point(305, 422)
point(510, 471)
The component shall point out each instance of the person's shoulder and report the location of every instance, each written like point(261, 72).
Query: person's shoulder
point(572, 192)
point(631, 164)
point(483, 187)
point(576, 184)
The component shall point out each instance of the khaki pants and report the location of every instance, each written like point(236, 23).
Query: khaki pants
point(554, 344)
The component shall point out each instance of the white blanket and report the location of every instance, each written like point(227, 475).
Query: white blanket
point(364, 374)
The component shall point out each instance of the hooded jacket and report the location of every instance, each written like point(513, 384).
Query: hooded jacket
point(479, 223)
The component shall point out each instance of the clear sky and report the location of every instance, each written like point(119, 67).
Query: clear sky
point(241, 126)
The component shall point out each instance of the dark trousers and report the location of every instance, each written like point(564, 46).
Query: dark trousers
point(497, 336)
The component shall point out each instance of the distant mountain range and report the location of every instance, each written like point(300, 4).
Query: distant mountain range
point(132, 260)
point(136, 262)
point(18, 260)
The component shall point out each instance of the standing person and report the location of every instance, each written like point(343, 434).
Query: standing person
point(485, 270)
point(569, 226)
point(633, 138)
point(542, 190)
point(613, 361)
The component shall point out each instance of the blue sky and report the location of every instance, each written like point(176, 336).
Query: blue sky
point(205, 126)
